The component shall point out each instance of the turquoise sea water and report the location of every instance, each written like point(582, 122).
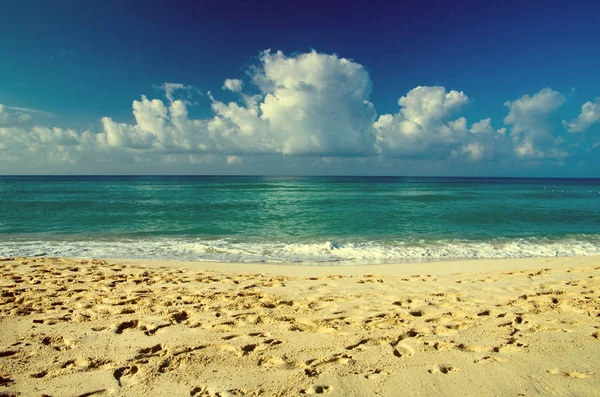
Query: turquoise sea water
point(300, 219)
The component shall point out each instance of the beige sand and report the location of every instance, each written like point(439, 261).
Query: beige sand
point(140, 328)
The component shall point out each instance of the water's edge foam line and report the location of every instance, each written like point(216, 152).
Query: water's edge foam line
point(224, 250)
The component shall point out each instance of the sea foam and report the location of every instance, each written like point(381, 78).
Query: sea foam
point(324, 251)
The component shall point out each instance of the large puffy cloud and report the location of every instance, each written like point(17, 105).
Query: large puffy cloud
point(426, 106)
point(317, 104)
point(526, 113)
point(483, 142)
point(41, 145)
point(425, 127)
point(22, 141)
point(530, 130)
point(590, 115)
point(309, 104)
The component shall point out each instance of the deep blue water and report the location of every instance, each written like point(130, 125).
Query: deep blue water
point(298, 218)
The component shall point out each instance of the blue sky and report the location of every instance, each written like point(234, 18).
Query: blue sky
point(85, 61)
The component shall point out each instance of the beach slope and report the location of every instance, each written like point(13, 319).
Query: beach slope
point(135, 328)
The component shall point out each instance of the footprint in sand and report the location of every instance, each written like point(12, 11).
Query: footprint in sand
point(199, 391)
point(85, 364)
point(417, 313)
point(58, 343)
point(490, 359)
point(272, 361)
point(247, 349)
point(376, 373)
point(338, 358)
point(6, 380)
point(357, 344)
point(179, 317)
point(273, 342)
point(126, 325)
point(442, 345)
point(443, 369)
point(316, 389)
point(98, 328)
point(39, 375)
point(149, 352)
point(101, 392)
point(402, 350)
point(150, 330)
point(172, 363)
point(511, 345)
point(569, 374)
point(7, 353)
point(203, 391)
point(124, 375)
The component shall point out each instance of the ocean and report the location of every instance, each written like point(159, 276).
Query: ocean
point(304, 220)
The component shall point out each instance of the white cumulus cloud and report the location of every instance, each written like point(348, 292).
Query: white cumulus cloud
point(316, 104)
point(590, 115)
point(304, 105)
point(530, 129)
point(423, 126)
point(309, 105)
point(234, 85)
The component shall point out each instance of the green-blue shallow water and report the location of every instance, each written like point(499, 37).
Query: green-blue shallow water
point(298, 219)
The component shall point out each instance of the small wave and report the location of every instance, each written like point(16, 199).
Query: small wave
point(326, 251)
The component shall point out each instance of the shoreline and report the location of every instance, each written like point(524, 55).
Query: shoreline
point(393, 269)
point(303, 253)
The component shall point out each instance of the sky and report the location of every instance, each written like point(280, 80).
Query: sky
point(438, 88)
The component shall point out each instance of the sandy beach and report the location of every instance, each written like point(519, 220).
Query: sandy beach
point(523, 327)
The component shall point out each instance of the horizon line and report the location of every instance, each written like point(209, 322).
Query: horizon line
point(292, 176)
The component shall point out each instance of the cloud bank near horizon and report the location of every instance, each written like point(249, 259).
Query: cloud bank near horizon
point(307, 105)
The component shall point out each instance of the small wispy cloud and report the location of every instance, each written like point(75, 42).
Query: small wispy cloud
point(233, 85)
point(171, 88)
point(28, 110)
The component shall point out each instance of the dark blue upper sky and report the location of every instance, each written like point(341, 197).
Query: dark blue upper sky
point(91, 58)
point(82, 60)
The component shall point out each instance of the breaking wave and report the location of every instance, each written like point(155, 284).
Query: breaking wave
point(230, 250)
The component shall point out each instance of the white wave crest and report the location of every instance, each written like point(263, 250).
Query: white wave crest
point(328, 251)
